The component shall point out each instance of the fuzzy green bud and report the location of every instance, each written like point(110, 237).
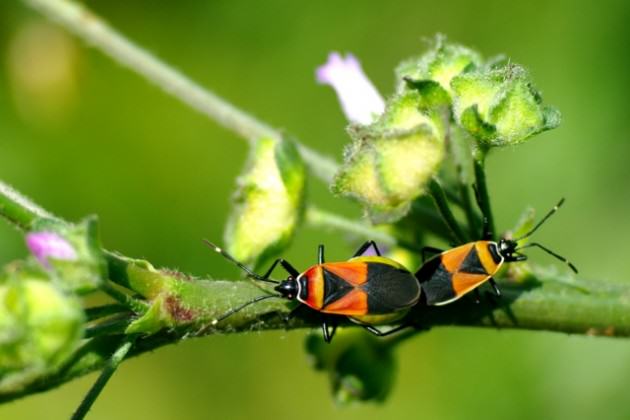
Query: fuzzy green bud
point(390, 161)
point(501, 106)
point(40, 326)
point(439, 65)
point(268, 203)
point(360, 366)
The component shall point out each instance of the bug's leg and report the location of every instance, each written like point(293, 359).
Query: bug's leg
point(365, 247)
point(429, 250)
point(477, 296)
point(320, 254)
point(495, 287)
point(380, 333)
point(285, 264)
point(328, 329)
point(295, 312)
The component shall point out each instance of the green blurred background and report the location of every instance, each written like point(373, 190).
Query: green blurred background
point(82, 135)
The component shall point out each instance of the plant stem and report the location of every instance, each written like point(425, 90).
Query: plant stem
point(439, 197)
point(108, 371)
point(19, 210)
point(322, 218)
point(479, 162)
point(96, 32)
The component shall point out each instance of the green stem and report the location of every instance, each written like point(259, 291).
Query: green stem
point(479, 161)
point(96, 32)
point(97, 312)
point(471, 218)
point(18, 209)
point(588, 308)
point(106, 374)
point(439, 197)
point(321, 218)
point(115, 325)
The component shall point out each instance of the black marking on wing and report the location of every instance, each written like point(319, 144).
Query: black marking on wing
point(390, 289)
point(303, 288)
point(436, 281)
point(472, 263)
point(334, 287)
point(494, 251)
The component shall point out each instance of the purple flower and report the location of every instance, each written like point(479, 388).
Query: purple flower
point(45, 245)
point(359, 99)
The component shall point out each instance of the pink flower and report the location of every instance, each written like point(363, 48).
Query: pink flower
point(359, 99)
point(45, 245)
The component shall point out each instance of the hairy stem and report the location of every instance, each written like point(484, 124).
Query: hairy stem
point(541, 303)
point(96, 32)
point(110, 367)
point(321, 218)
point(18, 209)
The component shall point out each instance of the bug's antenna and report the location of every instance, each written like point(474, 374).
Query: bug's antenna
point(543, 220)
point(550, 252)
point(234, 261)
point(243, 306)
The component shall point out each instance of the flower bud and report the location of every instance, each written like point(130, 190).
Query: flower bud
point(70, 253)
point(40, 326)
point(501, 107)
point(268, 203)
point(45, 245)
point(390, 162)
point(438, 66)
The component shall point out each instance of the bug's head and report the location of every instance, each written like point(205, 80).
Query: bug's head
point(288, 288)
point(507, 249)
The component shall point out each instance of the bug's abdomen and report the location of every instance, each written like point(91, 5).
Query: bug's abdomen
point(455, 272)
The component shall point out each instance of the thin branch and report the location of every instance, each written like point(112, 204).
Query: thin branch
point(111, 366)
point(439, 197)
point(479, 163)
point(18, 209)
point(85, 24)
point(321, 218)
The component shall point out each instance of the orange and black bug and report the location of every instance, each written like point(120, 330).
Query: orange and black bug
point(451, 274)
point(369, 290)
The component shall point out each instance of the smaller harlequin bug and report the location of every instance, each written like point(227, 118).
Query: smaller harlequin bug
point(369, 290)
point(451, 274)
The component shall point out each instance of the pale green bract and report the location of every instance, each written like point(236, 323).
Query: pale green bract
point(268, 203)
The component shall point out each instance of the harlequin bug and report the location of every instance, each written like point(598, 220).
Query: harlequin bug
point(451, 274)
point(369, 290)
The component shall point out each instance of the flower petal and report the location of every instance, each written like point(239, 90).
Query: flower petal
point(359, 99)
point(44, 245)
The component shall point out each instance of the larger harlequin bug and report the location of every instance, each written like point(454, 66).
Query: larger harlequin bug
point(369, 290)
point(451, 274)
